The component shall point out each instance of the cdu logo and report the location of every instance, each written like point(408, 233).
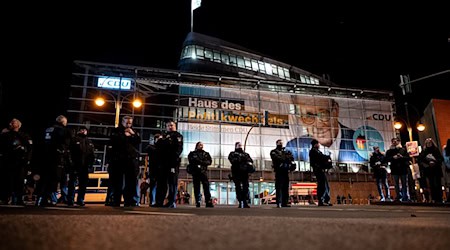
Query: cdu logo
point(379, 117)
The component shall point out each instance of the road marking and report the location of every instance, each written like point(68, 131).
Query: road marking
point(15, 206)
point(433, 211)
point(323, 208)
point(158, 213)
point(63, 208)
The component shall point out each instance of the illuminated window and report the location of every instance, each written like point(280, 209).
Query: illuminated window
point(248, 64)
point(274, 69)
point(255, 65)
point(286, 73)
point(268, 68)
point(199, 52)
point(280, 72)
point(225, 58)
point(208, 54)
point(233, 60)
point(240, 62)
point(261, 67)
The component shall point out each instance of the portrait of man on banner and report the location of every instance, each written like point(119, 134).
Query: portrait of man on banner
point(319, 118)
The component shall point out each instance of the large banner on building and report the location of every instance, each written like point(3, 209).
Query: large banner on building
point(346, 128)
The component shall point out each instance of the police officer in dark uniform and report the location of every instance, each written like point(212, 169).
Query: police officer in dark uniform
point(319, 162)
point(199, 160)
point(154, 166)
point(171, 147)
point(124, 156)
point(82, 150)
point(57, 149)
point(109, 199)
point(282, 163)
point(241, 162)
point(16, 149)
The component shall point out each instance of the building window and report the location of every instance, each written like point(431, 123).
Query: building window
point(274, 69)
point(233, 60)
point(254, 65)
point(286, 73)
point(262, 68)
point(199, 52)
point(225, 58)
point(208, 54)
point(281, 72)
point(240, 62)
point(268, 68)
point(217, 56)
point(248, 63)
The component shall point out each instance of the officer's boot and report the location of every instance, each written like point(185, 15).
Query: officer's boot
point(245, 204)
point(197, 204)
point(240, 204)
point(209, 204)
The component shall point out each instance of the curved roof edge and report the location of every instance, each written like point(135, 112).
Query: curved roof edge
point(194, 38)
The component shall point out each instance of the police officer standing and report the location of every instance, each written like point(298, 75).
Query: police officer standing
point(82, 150)
point(199, 160)
point(124, 156)
point(154, 166)
point(171, 147)
point(282, 163)
point(241, 162)
point(15, 148)
point(319, 162)
point(57, 149)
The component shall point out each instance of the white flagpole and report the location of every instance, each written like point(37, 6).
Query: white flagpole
point(194, 5)
point(192, 15)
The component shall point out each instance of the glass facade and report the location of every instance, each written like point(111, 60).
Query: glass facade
point(221, 111)
point(200, 52)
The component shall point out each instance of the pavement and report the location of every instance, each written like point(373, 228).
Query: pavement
point(409, 203)
point(225, 227)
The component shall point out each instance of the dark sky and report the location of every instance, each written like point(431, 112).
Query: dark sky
point(355, 45)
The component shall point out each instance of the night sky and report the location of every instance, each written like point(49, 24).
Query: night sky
point(366, 46)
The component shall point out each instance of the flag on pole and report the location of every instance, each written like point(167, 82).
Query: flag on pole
point(195, 4)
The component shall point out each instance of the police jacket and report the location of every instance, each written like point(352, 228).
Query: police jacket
point(201, 159)
point(15, 148)
point(171, 146)
point(282, 160)
point(122, 147)
point(57, 144)
point(238, 160)
point(82, 150)
point(377, 163)
point(154, 159)
point(399, 159)
point(317, 160)
point(58, 138)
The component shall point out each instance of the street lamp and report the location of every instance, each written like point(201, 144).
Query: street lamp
point(100, 101)
point(419, 125)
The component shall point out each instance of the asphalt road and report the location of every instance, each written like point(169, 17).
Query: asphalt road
point(225, 227)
